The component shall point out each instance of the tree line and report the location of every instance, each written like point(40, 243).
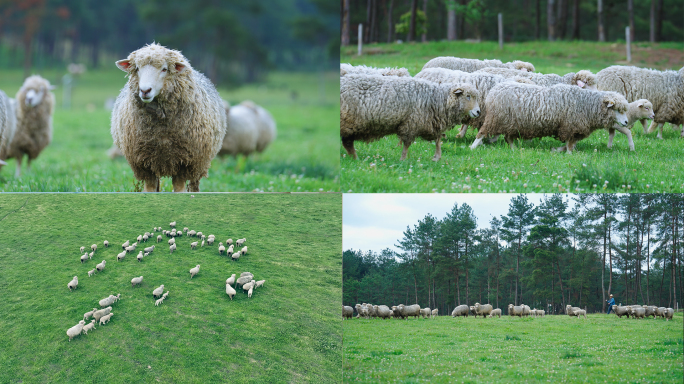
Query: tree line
point(524, 20)
point(544, 256)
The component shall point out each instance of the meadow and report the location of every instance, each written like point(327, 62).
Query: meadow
point(532, 167)
point(290, 330)
point(558, 349)
point(305, 107)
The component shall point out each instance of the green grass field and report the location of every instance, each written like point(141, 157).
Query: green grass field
point(305, 107)
point(653, 167)
point(289, 331)
point(555, 349)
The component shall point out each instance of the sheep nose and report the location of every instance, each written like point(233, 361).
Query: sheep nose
point(145, 92)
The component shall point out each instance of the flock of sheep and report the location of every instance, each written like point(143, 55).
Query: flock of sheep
point(402, 311)
point(168, 120)
point(103, 315)
point(506, 99)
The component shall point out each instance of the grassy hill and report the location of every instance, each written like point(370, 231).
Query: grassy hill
point(551, 349)
point(532, 167)
point(305, 107)
point(289, 331)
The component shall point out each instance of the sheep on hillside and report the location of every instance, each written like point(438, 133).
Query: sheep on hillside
point(347, 312)
point(168, 120)
point(461, 310)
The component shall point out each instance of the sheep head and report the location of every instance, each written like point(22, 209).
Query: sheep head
point(523, 66)
point(34, 90)
point(618, 104)
point(464, 97)
point(585, 80)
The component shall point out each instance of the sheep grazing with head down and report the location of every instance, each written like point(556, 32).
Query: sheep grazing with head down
point(73, 283)
point(249, 128)
point(194, 271)
point(230, 291)
point(89, 326)
point(101, 266)
point(136, 280)
point(8, 125)
point(168, 120)
point(347, 312)
point(35, 105)
point(106, 244)
point(461, 310)
point(158, 291)
point(231, 280)
point(75, 330)
point(495, 312)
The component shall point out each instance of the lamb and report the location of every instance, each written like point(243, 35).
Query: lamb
point(239, 242)
point(566, 112)
point(158, 301)
point(668, 314)
point(376, 106)
point(91, 272)
point(495, 312)
point(168, 120)
point(202, 244)
point(101, 266)
point(236, 256)
point(425, 312)
point(172, 224)
point(105, 319)
point(540, 312)
point(347, 312)
point(73, 283)
point(102, 312)
point(158, 291)
point(472, 65)
point(136, 280)
point(348, 69)
point(93, 247)
point(515, 310)
point(35, 105)
point(229, 290)
point(194, 271)
point(172, 248)
point(159, 238)
point(8, 125)
point(231, 280)
point(637, 110)
point(582, 312)
point(120, 256)
point(88, 327)
point(75, 330)
point(140, 256)
point(483, 310)
point(89, 314)
point(583, 79)
point(259, 283)
point(82, 249)
point(193, 245)
point(248, 286)
point(106, 244)
point(665, 89)
point(461, 310)
point(244, 279)
point(149, 249)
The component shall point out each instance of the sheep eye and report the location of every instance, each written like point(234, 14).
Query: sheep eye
point(164, 70)
point(468, 97)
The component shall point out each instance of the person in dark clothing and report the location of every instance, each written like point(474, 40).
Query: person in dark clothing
point(611, 302)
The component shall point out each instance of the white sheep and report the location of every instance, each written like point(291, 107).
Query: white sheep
point(435, 312)
point(472, 65)
point(82, 249)
point(248, 286)
point(376, 106)
point(425, 312)
point(348, 69)
point(193, 245)
point(231, 280)
point(105, 319)
point(172, 224)
point(229, 251)
point(136, 280)
point(75, 330)
point(107, 301)
point(145, 238)
point(89, 326)
point(84, 258)
point(172, 241)
point(229, 241)
point(131, 248)
point(89, 314)
point(102, 312)
point(243, 250)
point(637, 110)
point(566, 112)
point(170, 106)
point(229, 290)
point(242, 130)
point(179, 233)
point(194, 271)
point(140, 256)
point(202, 244)
point(90, 255)
point(120, 256)
point(92, 272)
point(93, 247)
point(235, 256)
point(199, 234)
point(210, 241)
point(259, 283)
point(239, 242)
point(106, 244)
point(583, 79)
point(149, 249)
point(172, 248)
point(159, 238)
point(665, 89)
point(159, 301)
point(101, 266)
point(73, 283)
point(35, 106)
point(126, 244)
point(495, 312)
point(8, 125)
point(244, 280)
point(221, 249)
point(246, 274)
point(249, 293)
point(158, 291)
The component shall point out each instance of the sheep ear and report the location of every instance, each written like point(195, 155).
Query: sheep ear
point(124, 65)
point(640, 104)
point(581, 83)
point(609, 103)
point(180, 67)
point(457, 91)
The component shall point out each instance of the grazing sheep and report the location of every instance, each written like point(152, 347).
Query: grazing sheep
point(8, 125)
point(248, 286)
point(131, 248)
point(425, 312)
point(650, 311)
point(235, 256)
point(583, 79)
point(159, 301)
point(202, 245)
point(126, 244)
point(106, 244)
point(472, 65)
point(105, 319)
point(229, 289)
point(136, 280)
point(565, 112)
point(637, 110)
point(89, 326)
point(172, 241)
point(102, 312)
point(229, 251)
point(89, 314)
point(495, 312)
point(221, 249)
point(383, 312)
point(120, 256)
point(665, 89)
point(140, 256)
point(172, 224)
point(82, 249)
point(637, 312)
point(347, 312)
point(190, 233)
point(179, 233)
point(231, 280)
point(199, 234)
point(483, 310)
point(620, 310)
point(168, 120)
point(158, 291)
point(540, 312)
point(107, 301)
point(159, 238)
point(461, 310)
point(84, 258)
point(376, 106)
point(35, 105)
point(172, 248)
point(210, 241)
point(90, 255)
point(165, 295)
point(259, 283)
point(243, 250)
point(91, 272)
point(193, 245)
point(571, 311)
point(149, 249)
point(515, 310)
point(239, 242)
point(75, 330)
point(668, 314)
point(526, 310)
point(229, 241)
point(73, 283)
point(93, 247)
point(244, 280)
point(101, 266)
point(348, 69)
point(409, 310)
point(582, 312)
point(194, 271)
point(145, 237)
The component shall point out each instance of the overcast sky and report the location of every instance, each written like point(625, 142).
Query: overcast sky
point(375, 221)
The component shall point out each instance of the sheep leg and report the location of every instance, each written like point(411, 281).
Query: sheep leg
point(510, 142)
point(17, 173)
point(194, 186)
point(438, 149)
point(462, 132)
point(348, 144)
point(660, 131)
point(643, 125)
point(404, 152)
point(28, 163)
point(478, 141)
point(627, 132)
point(681, 128)
point(178, 184)
point(611, 135)
point(152, 185)
point(493, 140)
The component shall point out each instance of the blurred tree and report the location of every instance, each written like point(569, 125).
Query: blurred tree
point(404, 24)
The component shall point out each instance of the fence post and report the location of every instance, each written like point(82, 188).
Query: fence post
point(500, 30)
point(629, 45)
point(360, 39)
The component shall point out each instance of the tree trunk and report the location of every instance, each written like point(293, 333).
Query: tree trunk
point(601, 30)
point(610, 262)
point(652, 34)
point(648, 259)
point(389, 22)
point(560, 280)
point(603, 270)
point(415, 286)
point(345, 22)
point(550, 20)
point(423, 37)
point(412, 24)
point(537, 22)
point(458, 289)
point(674, 261)
point(630, 10)
point(562, 19)
point(659, 22)
point(367, 32)
point(451, 22)
point(517, 265)
point(575, 20)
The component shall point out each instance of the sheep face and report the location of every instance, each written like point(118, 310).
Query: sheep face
point(644, 109)
point(585, 80)
point(523, 66)
point(34, 97)
point(618, 104)
point(464, 97)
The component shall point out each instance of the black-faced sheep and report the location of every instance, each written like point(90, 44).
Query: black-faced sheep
point(194, 271)
point(73, 283)
point(168, 120)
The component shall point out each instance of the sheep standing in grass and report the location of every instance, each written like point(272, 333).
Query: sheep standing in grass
point(638, 312)
point(8, 125)
point(88, 314)
point(637, 110)
point(84, 258)
point(231, 280)
point(565, 112)
point(92, 272)
point(376, 106)
point(107, 301)
point(221, 249)
point(665, 89)
point(239, 242)
point(140, 256)
point(172, 248)
point(461, 310)
point(136, 280)
point(106, 244)
point(259, 283)
point(483, 310)
point(35, 105)
point(149, 249)
point(583, 79)
point(159, 238)
point(249, 293)
point(236, 256)
point(348, 69)
point(472, 65)
point(158, 291)
point(168, 120)
point(101, 266)
point(515, 310)
point(194, 271)
point(102, 312)
point(242, 280)
point(668, 314)
point(249, 128)
point(75, 330)
point(105, 319)
point(126, 244)
point(573, 311)
point(347, 312)
point(193, 245)
point(425, 312)
point(120, 256)
point(229, 289)
point(89, 326)
point(495, 312)
point(73, 283)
